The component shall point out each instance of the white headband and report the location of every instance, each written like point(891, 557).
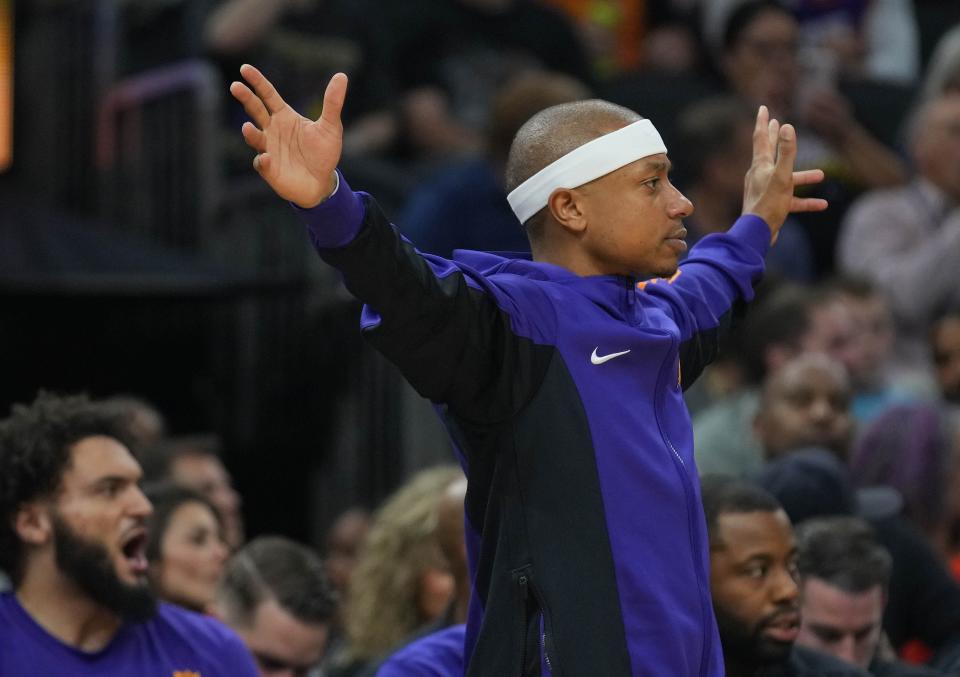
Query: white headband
point(584, 164)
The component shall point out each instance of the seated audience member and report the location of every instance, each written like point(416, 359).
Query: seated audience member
point(193, 461)
point(753, 583)
point(344, 539)
point(440, 653)
point(715, 139)
point(776, 329)
point(844, 579)
point(907, 239)
point(911, 448)
point(276, 596)
point(760, 62)
point(185, 547)
point(943, 71)
point(73, 538)
point(402, 583)
point(146, 425)
point(877, 379)
point(805, 404)
point(464, 205)
point(945, 347)
point(924, 601)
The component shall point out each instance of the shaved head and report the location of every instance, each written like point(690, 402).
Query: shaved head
point(554, 132)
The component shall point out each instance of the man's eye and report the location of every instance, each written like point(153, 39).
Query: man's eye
point(652, 184)
point(758, 571)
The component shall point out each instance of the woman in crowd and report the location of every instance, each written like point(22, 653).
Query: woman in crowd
point(185, 547)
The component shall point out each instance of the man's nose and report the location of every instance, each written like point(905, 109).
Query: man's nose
point(680, 207)
point(785, 589)
point(846, 649)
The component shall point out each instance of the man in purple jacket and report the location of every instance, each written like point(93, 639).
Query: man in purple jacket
point(559, 379)
point(72, 538)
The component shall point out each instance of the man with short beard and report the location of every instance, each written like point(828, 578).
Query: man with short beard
point(72, 538)
point(753, 581)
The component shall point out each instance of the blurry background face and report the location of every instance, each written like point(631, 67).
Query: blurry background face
point(845, 624)
point(283, 645)
point(753, 583)
point(946, 357)
point(205, 473)
point(192, 557)
point(435, 587)
point(343, 541)
point(806, 404)
point(762, 64)
point(873, 338)
point(99, 527)
point(937, 149)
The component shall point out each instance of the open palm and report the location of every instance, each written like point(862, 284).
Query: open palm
point(296, 156)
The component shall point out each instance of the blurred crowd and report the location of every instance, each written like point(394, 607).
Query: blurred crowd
point(828, 432)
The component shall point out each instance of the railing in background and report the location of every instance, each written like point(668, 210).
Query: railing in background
point(157, 153)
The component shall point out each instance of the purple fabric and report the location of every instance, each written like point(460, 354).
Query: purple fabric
point(174, 641)
point(640, 428)
point(341, 215)
point(439, 654)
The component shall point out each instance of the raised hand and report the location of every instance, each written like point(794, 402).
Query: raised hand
point(295, 155)
point(770, 181)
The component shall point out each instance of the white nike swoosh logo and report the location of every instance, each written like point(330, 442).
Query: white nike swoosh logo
point(598, 359)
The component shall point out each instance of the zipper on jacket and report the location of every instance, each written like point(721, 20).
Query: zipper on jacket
point(685, 480)
point(544, 643)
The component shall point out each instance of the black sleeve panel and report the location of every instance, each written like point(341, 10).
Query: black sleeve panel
point(450, 340)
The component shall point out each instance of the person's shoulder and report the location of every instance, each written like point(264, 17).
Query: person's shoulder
point(207, 636)
point(439, 654)
point(806, 662)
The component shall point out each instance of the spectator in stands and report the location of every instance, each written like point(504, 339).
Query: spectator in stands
point(911, 448)
point(786, 323)
point(464, 205)
point(276, 596)
point(943, 71)
point(753, 583)
point(193, 461)
point(440, 653)
point(449, 57)
point(760, 44)
point(343, 545)
point(806, 403)
point(715, 147)
point(402, 583)
point(924, 601)
point(146, 423)
point(907, 239)
point(185, 547)
point(73, 537)
point(945, 347)
point(844, 582)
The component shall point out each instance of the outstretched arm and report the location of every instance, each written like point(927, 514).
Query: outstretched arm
point(297, 156)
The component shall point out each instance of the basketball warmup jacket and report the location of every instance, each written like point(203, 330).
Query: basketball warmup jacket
point(563, 397)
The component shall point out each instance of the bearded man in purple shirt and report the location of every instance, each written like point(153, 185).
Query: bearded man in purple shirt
point(73, 538)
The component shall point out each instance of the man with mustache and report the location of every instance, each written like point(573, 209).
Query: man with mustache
point(753, 579)
point(72, 538)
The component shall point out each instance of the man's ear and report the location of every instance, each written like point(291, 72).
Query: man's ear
point(33, 524)
point(566, 207)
